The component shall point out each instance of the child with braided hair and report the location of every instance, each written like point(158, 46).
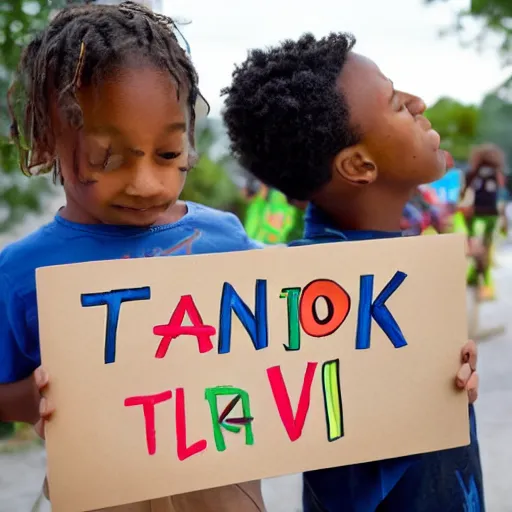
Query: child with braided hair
point(106, 100)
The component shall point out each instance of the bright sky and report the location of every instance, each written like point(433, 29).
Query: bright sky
point(406, 46)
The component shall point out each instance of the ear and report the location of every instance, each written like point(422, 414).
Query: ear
point(355, 165)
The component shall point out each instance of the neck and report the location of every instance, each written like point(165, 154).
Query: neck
point(370, 209)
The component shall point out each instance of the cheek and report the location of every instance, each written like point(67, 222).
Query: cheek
point(409, 144)
point(94, 193)
point(175, 182)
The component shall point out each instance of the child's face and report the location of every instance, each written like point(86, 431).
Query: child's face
point(398, 144)
point(128, 163)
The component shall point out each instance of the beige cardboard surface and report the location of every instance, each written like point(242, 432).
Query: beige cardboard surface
point(394, 401)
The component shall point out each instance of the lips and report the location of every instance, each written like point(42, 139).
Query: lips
point(432, 135)
point(435, 138)
point(138, 209)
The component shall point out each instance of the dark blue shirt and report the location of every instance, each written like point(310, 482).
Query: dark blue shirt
point(444, 481)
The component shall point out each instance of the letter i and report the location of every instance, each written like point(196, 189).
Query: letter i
point(332, 399)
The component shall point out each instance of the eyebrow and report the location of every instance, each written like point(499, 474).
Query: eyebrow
point(176, 127)
point(113, 131)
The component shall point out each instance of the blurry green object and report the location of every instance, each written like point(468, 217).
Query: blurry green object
point(271, 219)
point(496, 120)
point(209, 182)
point(457, 124)
point(7, 430)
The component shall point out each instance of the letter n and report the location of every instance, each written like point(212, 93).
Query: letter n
point(254, 323)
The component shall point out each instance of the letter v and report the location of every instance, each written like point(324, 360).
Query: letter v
point(292, 424)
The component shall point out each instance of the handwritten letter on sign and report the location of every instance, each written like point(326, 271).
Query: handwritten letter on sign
point(171, 375)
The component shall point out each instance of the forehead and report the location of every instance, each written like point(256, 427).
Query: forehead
point(133, 99)
point(366, 89)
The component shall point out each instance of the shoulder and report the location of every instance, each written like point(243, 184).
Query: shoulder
point(18, 260)
point(224, 226)
point(208, 215)
point(19, 346)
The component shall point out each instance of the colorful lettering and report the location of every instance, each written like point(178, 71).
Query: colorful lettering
point(148, 403)
point(378, 311)
point(255, 324)
point(113, 301)
point(221, 421)
point(292, 301)
point(332, 399)
point(292, 424)
point(338, 307)
point(175, 328)
point(184, 451)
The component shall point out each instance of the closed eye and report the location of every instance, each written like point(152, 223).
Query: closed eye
point(110, 161)
point(169, 155)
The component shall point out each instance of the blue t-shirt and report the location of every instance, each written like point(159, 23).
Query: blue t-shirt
point(202, 230)
point(443, 481)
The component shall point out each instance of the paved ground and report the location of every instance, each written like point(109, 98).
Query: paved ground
point(21, 474)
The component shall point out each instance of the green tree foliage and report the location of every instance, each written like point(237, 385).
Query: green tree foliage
point(494, 116)
point(19, 19)
point(209, 182)
point(496, 120)
point(496, 18)
point(457, 124)
point(462, 126)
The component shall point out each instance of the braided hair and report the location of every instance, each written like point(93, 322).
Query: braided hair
point(82, 45)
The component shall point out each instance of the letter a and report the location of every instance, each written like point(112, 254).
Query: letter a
point(175, 328)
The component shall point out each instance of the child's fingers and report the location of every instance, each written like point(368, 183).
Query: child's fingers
point(41, 378)
point(46, 408)
point(469, 354)
point(472, 387)
point(463, 376)
point(39, 428)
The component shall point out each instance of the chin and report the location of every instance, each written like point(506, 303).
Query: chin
point(442, 161)
point(438, 168)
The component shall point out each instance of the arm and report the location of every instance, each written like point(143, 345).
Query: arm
point(19, 397)
point(19, 401)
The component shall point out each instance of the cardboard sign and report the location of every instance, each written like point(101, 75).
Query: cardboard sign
point(171, 375)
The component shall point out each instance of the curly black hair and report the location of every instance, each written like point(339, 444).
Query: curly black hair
point(82, 45)
point(285, 116)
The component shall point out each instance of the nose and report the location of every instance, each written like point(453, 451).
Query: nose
point(415, 105)
point(145, 182)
